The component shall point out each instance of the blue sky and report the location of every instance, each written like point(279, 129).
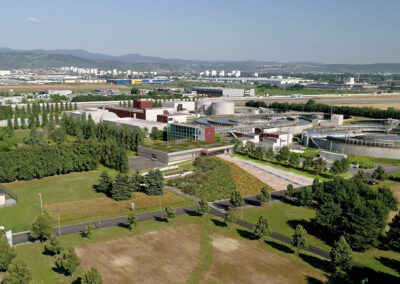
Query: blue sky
point(352, 31)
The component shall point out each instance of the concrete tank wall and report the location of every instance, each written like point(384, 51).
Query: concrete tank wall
point(222, 108)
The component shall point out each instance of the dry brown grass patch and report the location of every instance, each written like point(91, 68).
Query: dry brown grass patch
point(165, 256)
point(237, 261)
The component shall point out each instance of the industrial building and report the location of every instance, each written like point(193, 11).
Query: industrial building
point(181, 106)
point(137, 123)
point(141, 110)
point(56, 92)
point(97, 114)
point(140, 81)
point(224, 92)
point(215, 107)
point(190, 131)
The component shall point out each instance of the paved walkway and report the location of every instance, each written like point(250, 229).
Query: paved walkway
point(275, 178)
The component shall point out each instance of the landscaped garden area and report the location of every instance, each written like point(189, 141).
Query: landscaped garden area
point(215, 179)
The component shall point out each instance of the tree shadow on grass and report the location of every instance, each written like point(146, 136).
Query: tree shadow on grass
point(161, 219)
point(192, 213)
point(124, 225)
point(311, 229)
point(391, 263)
point(315, 262)
point(357, 274)
point(218, 223)
point(247, 234)
point(251, 202)
point(312, 280)
point(279, 246)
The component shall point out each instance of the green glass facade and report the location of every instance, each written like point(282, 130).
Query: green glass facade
point(178, 132)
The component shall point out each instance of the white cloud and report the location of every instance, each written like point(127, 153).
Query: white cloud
point(36, 20)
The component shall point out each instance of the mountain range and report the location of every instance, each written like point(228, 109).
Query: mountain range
point(40, 58)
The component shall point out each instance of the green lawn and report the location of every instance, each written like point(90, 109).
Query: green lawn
point(287, 92)
point(303, 172)
point(394, 162)
point(283, 218)
point(74, 196)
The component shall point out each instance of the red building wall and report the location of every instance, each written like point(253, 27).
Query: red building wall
point(142, 104)
point(128, 113)
point(162, 118)
point(209, 134)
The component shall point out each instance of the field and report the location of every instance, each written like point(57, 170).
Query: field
point(180, 145)
point(74, 196)
point(187, 250)
point(376, 105)
point(73, 87)
point(284, 217)
point(215, 179)
point(288, 92)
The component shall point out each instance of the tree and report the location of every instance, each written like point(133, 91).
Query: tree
point(341, 259)
point(88, 232)
point(16, 125)
point(92, 276)
point(34, 138)
point(258, 153)
point(320, 164)
point(393, 235)
point(236, 199)
point(362, 176)
point(230, 216)
point(68, 261)
point(308, 162)
point(79, 134)
point(379, 173)
point(294, 159)
point(53, 246)
point(105, 184)
point(156, 134)
point(262, 228)
point(169, 213)
point(299, 239)
point(305, 196)
point(132, 220)
point(385, 195)
point(146, 131)
point(7, 253)
point(289, 190)
point(283, 154)
point(340, 166)
point(120, 189)
point(264, 196)
point(203, 207)
point(154, 181)
point(10, 127)
point(269, 154)
point(61, 134)
point(123, 165)
point(41, 228)
point(17, 272)
point(134, 91)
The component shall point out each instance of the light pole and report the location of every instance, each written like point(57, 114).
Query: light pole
point(41, 202)
point(59, 225)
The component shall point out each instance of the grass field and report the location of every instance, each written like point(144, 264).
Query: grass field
point(74, 196)
point(284, 217)
point(382, 105)
point(187, 250)
point(394, 162)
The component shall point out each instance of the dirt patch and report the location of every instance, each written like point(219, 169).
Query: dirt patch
point(225, 244)
point(165, 256)
point(249, 264)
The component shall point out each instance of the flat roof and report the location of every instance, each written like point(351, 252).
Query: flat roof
point(137, 122)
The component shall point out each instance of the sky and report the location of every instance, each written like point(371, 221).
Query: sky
point(341, 31)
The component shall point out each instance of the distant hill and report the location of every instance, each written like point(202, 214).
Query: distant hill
point(39, 58)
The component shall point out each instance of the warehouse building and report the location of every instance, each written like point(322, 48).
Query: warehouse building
point(141, 110)
point(224, 92)
point(184, 106)
point(137, 123)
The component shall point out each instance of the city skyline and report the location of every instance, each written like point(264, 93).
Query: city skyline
point(359, 32)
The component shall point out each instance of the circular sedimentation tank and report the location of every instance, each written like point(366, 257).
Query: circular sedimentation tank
point(222, 108)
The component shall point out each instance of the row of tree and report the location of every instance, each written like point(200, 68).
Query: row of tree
point(88, 129)
point(122, 187)
point(25, 163)
point(313, 106)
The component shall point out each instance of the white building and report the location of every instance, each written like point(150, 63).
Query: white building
point(138, 123)
point(222, 73)
point(5, 72)
point(213, 73)
point(276, 140)
point(180, 106)
point(336, 120)
point(97, 114)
